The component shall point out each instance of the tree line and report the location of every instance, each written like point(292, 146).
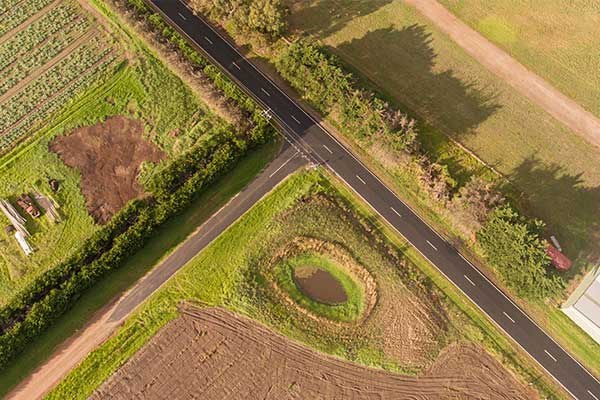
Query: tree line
point(171, 190)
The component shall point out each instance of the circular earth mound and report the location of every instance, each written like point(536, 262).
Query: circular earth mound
point(319, 285)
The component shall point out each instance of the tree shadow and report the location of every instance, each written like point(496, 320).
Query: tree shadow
point(402, 63)
point(569, 207)
point(322, 18)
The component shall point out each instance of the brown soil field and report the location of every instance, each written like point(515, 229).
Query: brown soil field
point(108, 157)
point(319, 285)
point(214, 354)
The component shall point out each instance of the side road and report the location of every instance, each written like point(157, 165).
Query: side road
point(105, 323)
point(536, 89)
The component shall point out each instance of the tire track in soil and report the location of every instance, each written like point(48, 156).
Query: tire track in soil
point(214, 354)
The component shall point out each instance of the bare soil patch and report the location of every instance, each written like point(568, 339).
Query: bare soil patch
point(319, 285)
point(108, 156)
point(215, 354)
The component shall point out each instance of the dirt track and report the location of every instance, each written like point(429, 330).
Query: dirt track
point(502, 64)
point(215, 354)
point(108, 156)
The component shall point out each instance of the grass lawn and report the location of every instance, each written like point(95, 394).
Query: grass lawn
point(166, 239)
point(141, 87)
point(428, 74)
point(555, 40)
point(230, 272)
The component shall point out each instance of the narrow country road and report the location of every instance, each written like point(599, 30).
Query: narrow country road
point(320, 147)
point(105, 323)
point(532, 86)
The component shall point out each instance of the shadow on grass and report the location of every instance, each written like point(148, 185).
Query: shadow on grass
point(407, 58)
point(573, 209)
point(106, 290)
point(323, 18)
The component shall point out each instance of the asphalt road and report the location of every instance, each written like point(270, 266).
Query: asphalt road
point(104, 323)
point(323, 149)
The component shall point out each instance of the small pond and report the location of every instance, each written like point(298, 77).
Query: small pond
point(319, 285)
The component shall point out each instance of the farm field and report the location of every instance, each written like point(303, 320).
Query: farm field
point(130, 81)
point(403, 324)
point(553, 40)
point(266, 365)
point(426, 73)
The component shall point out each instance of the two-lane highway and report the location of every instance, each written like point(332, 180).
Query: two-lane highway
point(323, 149)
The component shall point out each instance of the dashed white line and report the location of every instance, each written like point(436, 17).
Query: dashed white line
point(265, 92)
point(237, 66)
point(295, 119)
point(431, 244)
point(469, 279)
point(208, 40)
point(182, 17)
point(396, 212)
point(508, 316)
point(593, 395)
point(284, 164)
point(331, 152)
point(550, 355)
point(361, 179)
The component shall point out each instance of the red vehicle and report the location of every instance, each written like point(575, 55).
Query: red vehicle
point(559, 260)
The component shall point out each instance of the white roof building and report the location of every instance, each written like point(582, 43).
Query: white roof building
point(585, 310)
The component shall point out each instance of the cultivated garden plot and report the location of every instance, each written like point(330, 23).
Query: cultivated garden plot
point(74, 84)
point(50, 55)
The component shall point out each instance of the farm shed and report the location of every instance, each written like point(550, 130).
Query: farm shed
point(584, 309)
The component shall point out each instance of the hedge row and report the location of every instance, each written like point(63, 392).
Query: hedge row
point(173, 187)
point(360, 113)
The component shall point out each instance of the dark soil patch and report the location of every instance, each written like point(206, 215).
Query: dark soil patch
point(108, 157)
point(319, 285)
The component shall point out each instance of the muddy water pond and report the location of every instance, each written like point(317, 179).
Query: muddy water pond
point(319, 285)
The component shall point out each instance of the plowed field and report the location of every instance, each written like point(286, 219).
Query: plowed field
point(215, 354)
point(108, 157)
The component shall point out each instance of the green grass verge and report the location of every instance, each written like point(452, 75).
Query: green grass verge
point(347, 311)
point(553, 41)
point(142, 88)
point(167, 238)
point(427, 73)
point(227, 273)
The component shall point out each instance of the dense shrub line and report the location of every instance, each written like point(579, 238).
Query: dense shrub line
point(172, 188)
point(477, 207)
point(359, 113)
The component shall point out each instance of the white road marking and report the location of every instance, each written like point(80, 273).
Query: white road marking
point(361, 179)
point(284, 164)
point(469, 279)
point(330, 152)
point(425, 222)
point(508, 316)
point(431, 244)
point(265, 92)
point(550, 355)
point(395, 212)
point(295, 119)
point(593, 395)
point(182, 17)
point(237, 66)
point(208, 40)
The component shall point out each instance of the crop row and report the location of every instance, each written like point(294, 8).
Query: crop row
point(6, 5)
point(38, 32)
point(50, 82)
point(55, 104)
point(17, 15)
point(25, 65)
